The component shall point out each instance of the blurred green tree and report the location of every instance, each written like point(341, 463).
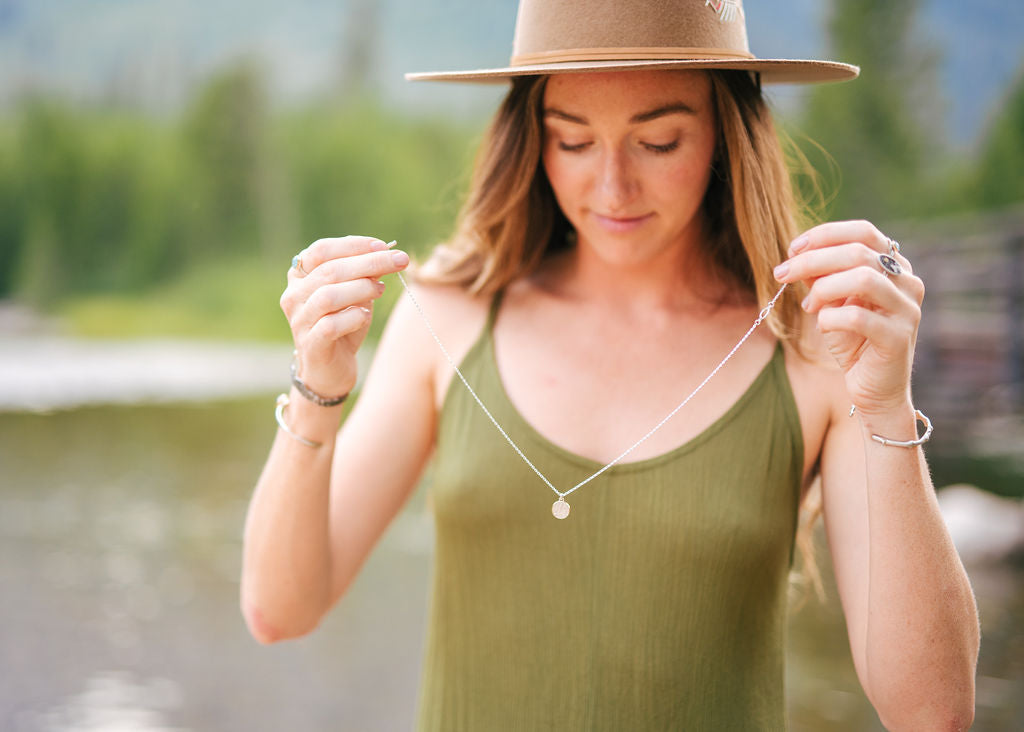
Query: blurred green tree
point(12, 204)
point(1000, 176)
point(138, 224)
point(361, 169)
point(360, 41)
point(226, 143)
point(92, 202)
point(876, 129)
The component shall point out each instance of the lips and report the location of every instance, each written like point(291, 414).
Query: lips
point(620, 224)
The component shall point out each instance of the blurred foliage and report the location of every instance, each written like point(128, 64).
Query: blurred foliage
point(877, 143)
point(1000, 176)
point(875, 131)
point(234, 298)
point(131, 224)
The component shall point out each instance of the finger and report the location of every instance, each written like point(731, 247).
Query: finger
point(840, 232)
point(337, 325)
point(811, 264)
point(866, 285)
point(334, 297)
point(904, 262)
point(374, 264)
point(324, 250)
point(883, 330)
point(814, 263)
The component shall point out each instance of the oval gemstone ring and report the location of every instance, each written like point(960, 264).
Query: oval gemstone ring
point(889, 265)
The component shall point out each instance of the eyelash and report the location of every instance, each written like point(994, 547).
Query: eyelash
point(659, 149)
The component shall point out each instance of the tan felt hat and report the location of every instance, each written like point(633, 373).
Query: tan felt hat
point(568, 36)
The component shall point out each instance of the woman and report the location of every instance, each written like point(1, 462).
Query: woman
point(630, 219)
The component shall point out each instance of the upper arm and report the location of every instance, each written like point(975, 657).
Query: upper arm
point(383, 446)
point(845, 509)
point(387, 439)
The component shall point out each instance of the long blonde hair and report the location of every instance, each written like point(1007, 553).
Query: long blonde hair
point(511, 221)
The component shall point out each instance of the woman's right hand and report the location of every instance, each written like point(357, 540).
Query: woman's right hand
point(329, 306)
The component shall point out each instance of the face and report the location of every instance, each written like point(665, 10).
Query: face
point(629, 158)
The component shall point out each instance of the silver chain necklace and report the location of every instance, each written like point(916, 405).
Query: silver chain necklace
point(560, 508)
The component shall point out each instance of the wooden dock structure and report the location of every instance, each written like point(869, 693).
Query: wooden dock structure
point(969, 364)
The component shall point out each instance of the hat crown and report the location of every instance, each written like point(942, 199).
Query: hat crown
point(574, 36)
point(566, 30)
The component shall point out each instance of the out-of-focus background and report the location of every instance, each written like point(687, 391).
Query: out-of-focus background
point(160, 163)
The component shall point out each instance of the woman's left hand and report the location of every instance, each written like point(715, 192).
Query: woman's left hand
point(868, 317)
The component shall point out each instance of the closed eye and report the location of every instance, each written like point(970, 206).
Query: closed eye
point(573, 148)
point(666, 148)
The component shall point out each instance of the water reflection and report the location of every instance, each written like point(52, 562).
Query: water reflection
point(119, 557)
point(115, 702)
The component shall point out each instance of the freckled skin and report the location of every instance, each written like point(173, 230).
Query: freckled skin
point(631, 184)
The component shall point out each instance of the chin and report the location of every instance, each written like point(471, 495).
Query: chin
point(625, 250)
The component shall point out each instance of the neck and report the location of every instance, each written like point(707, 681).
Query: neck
point(677, 278)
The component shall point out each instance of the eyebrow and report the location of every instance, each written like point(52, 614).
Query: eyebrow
point(674, 108)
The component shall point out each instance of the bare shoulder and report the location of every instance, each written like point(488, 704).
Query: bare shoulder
point(456, 316)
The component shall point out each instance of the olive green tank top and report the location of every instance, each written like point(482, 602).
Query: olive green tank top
point(658, 604)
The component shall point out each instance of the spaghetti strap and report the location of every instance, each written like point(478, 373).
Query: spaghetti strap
point(492, 314)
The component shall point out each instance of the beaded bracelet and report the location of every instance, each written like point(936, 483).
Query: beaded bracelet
point(311, 395)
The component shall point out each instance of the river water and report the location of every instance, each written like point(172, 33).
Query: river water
point(120, 545)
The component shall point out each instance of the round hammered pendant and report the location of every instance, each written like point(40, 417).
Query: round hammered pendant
point(560, 509)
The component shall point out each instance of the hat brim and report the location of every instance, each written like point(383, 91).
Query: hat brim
point(773, 71)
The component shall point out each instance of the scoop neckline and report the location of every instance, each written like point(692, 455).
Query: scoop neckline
point(691, 444)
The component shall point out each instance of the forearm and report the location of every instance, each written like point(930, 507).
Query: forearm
point(286, 569)
point(921, 639)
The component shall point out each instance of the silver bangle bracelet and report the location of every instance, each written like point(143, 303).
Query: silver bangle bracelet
point(282, 402)
point(919, 416)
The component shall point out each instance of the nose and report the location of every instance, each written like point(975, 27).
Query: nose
point(617, 182)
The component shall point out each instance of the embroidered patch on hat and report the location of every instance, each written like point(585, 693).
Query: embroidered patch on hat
point(728, 10)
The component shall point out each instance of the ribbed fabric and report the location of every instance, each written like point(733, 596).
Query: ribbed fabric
point(658, 604)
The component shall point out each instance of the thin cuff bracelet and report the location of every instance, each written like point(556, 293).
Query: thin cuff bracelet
point(282, 402)
point(312, 395)
point(919, 416)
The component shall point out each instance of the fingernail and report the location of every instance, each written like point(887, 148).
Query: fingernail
point(379, 285)
point(782, 270)
point(400, 258)
point(392, 243)
point(799, 244)
point(806, 302)
point(377, 245)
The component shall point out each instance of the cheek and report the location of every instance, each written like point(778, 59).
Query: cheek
point(681, 186)
point(688, 178)
point(561, 174)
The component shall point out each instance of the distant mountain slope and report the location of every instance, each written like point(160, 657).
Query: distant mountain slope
point(153, 52)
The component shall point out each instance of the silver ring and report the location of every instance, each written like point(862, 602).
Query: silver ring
point(894, 247)
point(297, 265)
point(890, 267)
